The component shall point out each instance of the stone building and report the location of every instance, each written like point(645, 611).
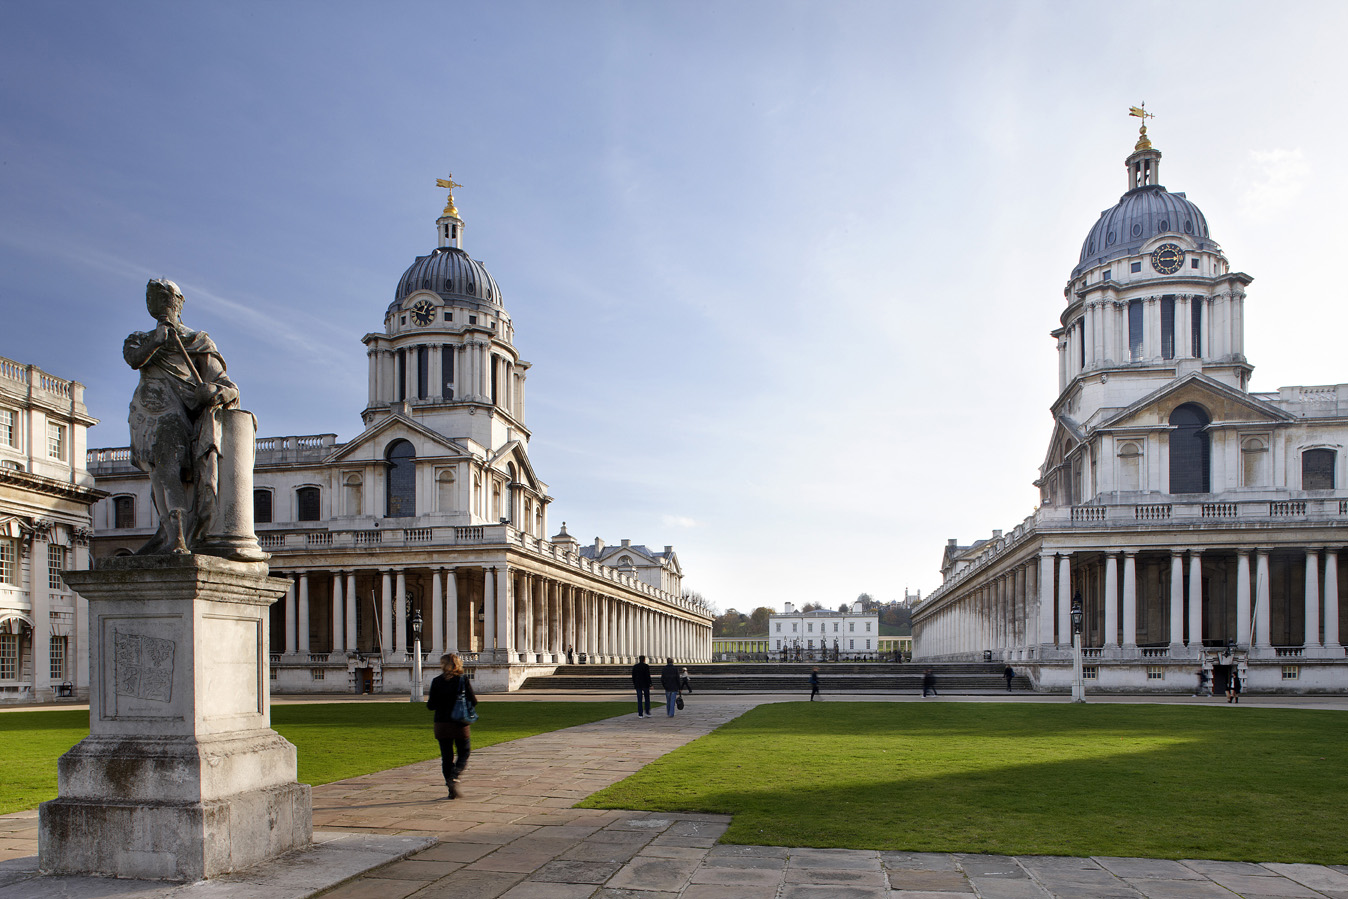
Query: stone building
point(1198, 522)
point(45, 524)
point(814, 634)
point(433, 509)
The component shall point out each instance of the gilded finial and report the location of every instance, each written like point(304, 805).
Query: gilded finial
point(1143, 143)
point(449, 184)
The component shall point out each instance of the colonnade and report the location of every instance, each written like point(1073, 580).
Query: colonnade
point(1193, 597)
point(493, 614)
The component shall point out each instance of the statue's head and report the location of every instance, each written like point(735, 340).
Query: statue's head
point(162, 297)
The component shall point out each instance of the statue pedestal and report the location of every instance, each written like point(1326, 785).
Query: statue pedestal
point(181, 777)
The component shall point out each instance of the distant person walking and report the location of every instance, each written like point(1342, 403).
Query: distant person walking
point(928, 682)
point(570, 656)
point(641, 680)
point(1233, 686)
point(1009, 673)
point(452, 734)
point(1202, 682)
point(814, 684)
point(669, 682)
point(685, 685)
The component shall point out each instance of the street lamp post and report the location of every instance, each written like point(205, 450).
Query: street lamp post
point(416, 656)
point(1078, 678)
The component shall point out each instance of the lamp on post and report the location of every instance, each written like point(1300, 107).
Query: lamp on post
point(1078, 678)
point(416, 656)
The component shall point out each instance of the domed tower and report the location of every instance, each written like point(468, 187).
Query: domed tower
point(446, 357)
point(1152, 298)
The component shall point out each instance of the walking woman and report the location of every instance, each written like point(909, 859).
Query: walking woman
point(451, 732)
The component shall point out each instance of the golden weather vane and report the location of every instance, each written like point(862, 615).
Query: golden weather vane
point(449, 184)
point(1143, 143)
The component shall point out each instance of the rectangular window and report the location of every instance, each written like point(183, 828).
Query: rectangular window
point(868, 644)
point(1090, 672)
point(306, 503)
point(1136, 267)
point(1291, 672)
point(9, 562)
point(851, 644)
point(809, 626)
point(56, 440)
point(793, 627)
point(56, 563)
point(449, 316)
point(1135, 330)
point(472, 319)
point(123, 511)
point(58, 658)
point(835, 627)
point(851, 627)
point(316, 673)
point(1155, 672)
point(1196, 327)
point(262, 507)
point(447, 371)
point(809, 644)
point(1168, 326)
point(779, 627)
point(7, 437)
point(1193, 263)
point(868, 630)
point(1108, 275)
point(423, 373)
point(274, 674)
point(9, 656)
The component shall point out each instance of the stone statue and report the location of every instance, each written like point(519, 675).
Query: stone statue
point(189, 435)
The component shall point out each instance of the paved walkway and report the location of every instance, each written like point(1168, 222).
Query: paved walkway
point(514, 836)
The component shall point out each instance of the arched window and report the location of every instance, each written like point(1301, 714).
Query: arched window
point(1317, 469)
point(1254, 462)
point(1130, 467)
point(123, 511)
point(444, 490)
point(402, 480)
point(1189, 450)
point(538, 521)
point(354, 487)
point(307, 504)
point(261, 506)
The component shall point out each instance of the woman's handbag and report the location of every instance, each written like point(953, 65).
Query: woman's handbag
point(463, 713)
point(678, 701)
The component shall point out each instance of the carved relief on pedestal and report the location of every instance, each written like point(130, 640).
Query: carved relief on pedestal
point(143, 666)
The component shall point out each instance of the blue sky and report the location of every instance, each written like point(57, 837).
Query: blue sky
point(785, 271)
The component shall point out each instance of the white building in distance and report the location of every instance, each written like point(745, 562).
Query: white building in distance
point(434, 510)
point(1198, 524)
point(45, 526)
point(824, 633)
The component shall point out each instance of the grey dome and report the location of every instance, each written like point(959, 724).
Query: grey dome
point(1140, 215)
point(451, 273)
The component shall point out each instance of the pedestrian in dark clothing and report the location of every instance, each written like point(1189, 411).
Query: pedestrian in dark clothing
point(814, 684)
point(1233, 687)
point(669, 682)
point(570, 656)
point(685, 685)
point(928, 682)
point(1202, 682)
point(450, 734)
point(1008, 674)
point(641, 679)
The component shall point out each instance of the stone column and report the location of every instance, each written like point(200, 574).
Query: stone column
point(1111, 640)
point(303, 614)
point(400, 614)
point(1045, 592)
point(489, 612)
point(1130, 600)
point(506, 611)
point(437, 646)
point(386, 615)
point(351, 612)
point(1242, 597)
point(1176, 602)
point(1261, 599)
point(1332, 604)
point(1312, 640)
point(292, 646)
point(451, 611)
point(540, 615)
point(338, 612)
point(1065, 599)
point(1195, 600)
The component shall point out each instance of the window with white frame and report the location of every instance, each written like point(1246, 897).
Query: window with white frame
point(9, 562)
point(56, 563)
point(1155, 672)
point(1090, 672)
point(868, 629)
point(59, 645)
point(1291, 672)
point(9, 656)
point(56, 440)
point(7, 435)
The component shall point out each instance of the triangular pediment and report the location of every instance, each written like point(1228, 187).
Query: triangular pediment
point(1223, 404)
point(515, 452)
point(372, 443)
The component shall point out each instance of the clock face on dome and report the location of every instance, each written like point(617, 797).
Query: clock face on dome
point(1167, 258)
point(423, 312)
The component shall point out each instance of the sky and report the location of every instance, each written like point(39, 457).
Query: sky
point(785, 271)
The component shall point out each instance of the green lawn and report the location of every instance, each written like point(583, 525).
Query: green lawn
point(334, 740)
point(1162, 781)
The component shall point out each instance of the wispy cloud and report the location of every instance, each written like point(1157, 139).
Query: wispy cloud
point(1277, 178)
